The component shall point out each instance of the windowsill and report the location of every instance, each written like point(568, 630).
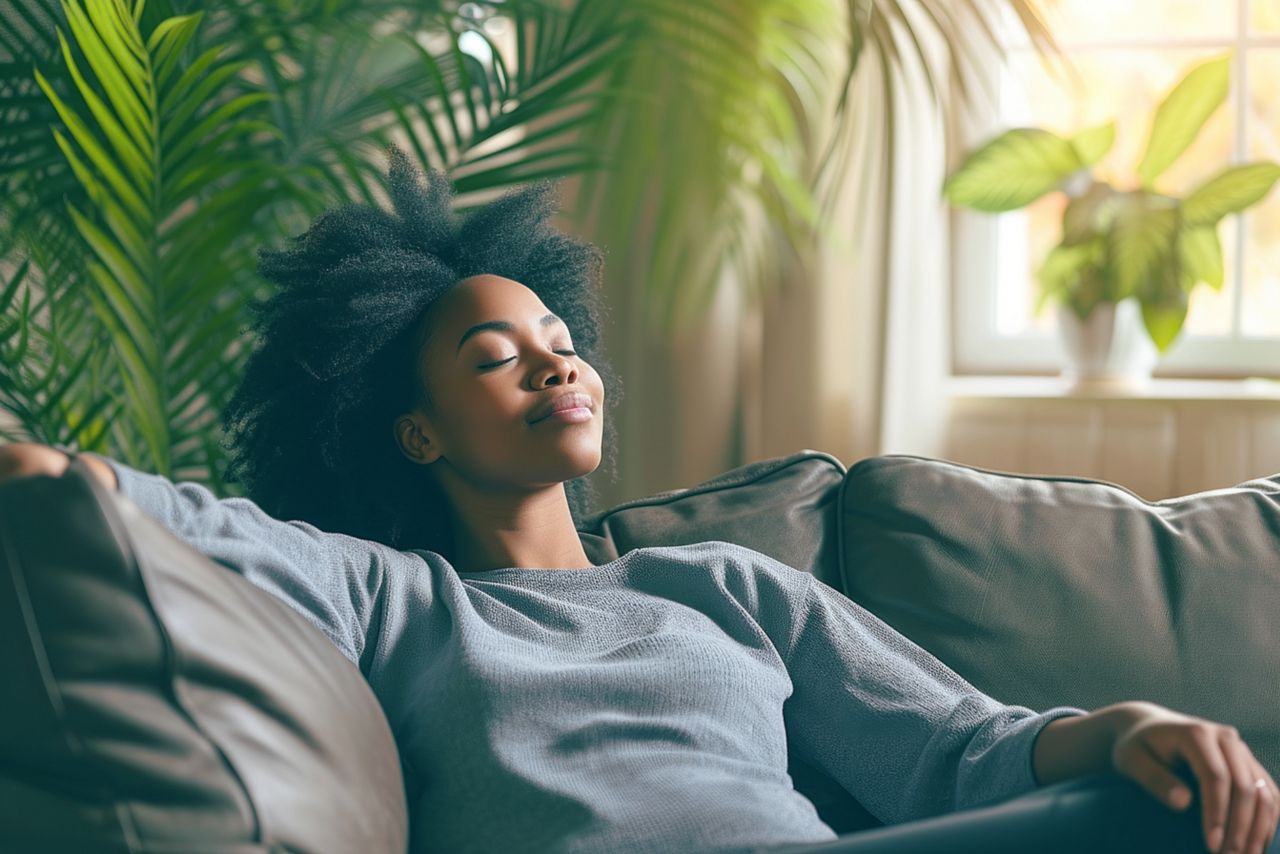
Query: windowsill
point(1060, 388)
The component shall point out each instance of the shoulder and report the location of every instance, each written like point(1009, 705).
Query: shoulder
point(703, 552)
point(736, 564)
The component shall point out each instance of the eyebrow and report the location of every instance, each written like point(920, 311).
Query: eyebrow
point(502, 326)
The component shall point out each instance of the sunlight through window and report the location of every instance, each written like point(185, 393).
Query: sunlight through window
point(1126, 54)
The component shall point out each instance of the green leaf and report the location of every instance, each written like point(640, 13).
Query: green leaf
point(198, 135)
point(1012, 170)
point(107, 48)
point(1231, 191)
point(1200, 256)
point(1163, 317)
point(192, 92)
point(6, 298)
point(1063, 264)
point(99, 156)
point(1092, 144)
point(1091, 213)
point(166, 43)
point(121, 286)
point(1139, 244)
point(1064, 268)
point(24, 325)
point(1182, 114)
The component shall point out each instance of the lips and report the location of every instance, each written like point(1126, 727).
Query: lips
point(565, 400)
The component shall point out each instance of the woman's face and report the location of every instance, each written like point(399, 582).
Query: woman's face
point(494, 357)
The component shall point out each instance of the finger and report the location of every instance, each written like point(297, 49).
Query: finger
point(1201, 750)
point(1244, 794)
point(1275, 821)
point(1275, 799)
point(1149, 771)
point(1266, 814)
point(1264, 817)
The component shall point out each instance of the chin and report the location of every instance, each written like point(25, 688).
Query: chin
point(577, 462)
point(585, 464)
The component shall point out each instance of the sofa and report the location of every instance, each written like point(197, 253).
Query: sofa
point(160, 702)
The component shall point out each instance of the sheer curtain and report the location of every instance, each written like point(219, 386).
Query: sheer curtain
point(850, 356)
point(864, 350)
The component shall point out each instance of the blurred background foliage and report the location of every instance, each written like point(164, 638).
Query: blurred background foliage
point(147, 150)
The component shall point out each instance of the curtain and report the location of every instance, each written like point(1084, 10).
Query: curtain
point(864, 351)
point(850, 355)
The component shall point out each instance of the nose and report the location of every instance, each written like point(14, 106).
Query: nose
point(557, 371)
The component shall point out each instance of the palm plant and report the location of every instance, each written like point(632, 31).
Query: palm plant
point(147, 150)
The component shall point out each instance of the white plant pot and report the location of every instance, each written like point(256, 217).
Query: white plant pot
point(1110, 347)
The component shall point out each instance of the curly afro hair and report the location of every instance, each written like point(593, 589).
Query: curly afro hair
point(309, 427)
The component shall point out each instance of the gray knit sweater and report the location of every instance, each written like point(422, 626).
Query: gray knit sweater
point(646, 704)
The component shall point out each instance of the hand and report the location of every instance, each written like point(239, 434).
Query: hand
point(1238, 815)
point(26, 459)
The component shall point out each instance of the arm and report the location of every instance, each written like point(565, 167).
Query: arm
point(174, 505)
point(1155, 747)
point(905, 734)
point(27, 459)
point(1076, 746)
point(103, 472)
point(336, 581)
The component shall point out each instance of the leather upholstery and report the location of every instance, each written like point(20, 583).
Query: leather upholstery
point(1097, 814)
point(160, 702)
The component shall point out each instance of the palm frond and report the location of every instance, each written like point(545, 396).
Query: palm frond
point(131, 142)
point(951, 24)
point(727, 138)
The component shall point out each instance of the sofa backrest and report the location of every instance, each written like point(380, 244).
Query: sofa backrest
point(157, 701)
point(783, 507)
point(1044, 591)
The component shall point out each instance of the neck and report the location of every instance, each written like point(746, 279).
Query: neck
point(530, 530)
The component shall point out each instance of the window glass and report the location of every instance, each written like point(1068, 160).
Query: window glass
point(1266, 16)
point(1092, 21)
point(1261, 308)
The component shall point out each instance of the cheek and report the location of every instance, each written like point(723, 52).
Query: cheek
point(474, 419)
point(483, 423)
point(592, 380)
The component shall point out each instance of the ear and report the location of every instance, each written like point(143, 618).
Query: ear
point(416, 439)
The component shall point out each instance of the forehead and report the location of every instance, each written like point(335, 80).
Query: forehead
point(478, 299)
point(485, 297)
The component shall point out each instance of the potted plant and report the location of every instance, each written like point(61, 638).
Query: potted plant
point(1136, 244)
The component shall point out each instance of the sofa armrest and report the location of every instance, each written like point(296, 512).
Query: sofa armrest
point(157, 700)
point(1097, 814)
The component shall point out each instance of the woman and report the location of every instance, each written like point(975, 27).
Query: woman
point(427, 399)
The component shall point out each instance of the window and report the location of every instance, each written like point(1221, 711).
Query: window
point(1127, 54)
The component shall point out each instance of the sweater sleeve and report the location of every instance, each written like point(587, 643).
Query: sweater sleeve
point(902, 732)
point(338, 582)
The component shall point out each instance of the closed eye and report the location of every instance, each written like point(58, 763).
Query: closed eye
point(508, 359)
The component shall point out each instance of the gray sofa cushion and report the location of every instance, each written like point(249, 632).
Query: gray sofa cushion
point(784, 507)
point(156, 701)
point(1049, 591)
